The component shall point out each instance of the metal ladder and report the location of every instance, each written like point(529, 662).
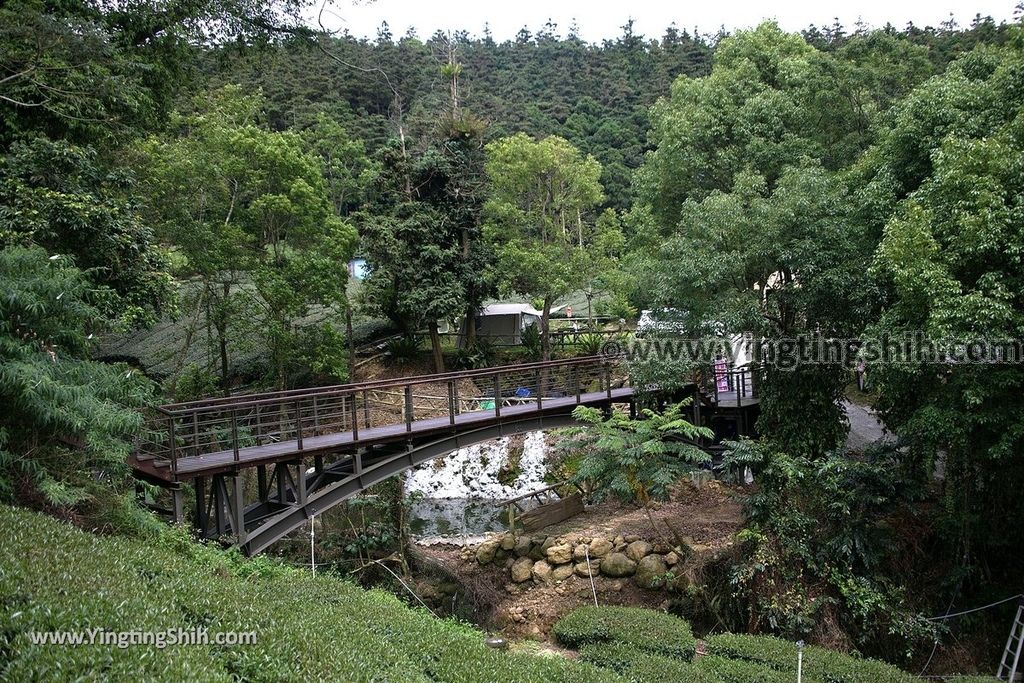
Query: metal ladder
point(1014, 646)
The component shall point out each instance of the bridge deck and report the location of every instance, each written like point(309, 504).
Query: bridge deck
point(249, 456)
point(223, 435)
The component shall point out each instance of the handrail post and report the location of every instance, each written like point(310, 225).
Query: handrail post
point(576, 381)
point(354, 403)
point(497, 394)
point(455, 396)
point(451, 402)
point(234, 434)
point(298, 422)
point(174, 451)
point(536, 375)
point(608, 379)
point(316, 420)
point(259, 427)
point(408, 407)
point(366, 407)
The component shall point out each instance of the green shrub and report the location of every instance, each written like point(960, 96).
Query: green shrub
point(740, 671)
point(590, 344)
point(531, 341)
point(403, 349)
point(56, 577)
point(481, 355)
point(644, 629)
point(775, 652)
point(826, 665)
point(640, 666)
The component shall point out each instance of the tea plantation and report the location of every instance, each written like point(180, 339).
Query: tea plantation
point(56, 577)
point(652, 647)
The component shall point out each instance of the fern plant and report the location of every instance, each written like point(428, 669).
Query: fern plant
point(66, 418)
point(636, 460)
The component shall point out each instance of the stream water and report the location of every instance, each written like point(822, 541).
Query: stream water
point(461, 493)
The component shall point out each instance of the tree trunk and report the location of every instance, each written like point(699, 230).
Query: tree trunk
point(470, 325)
point(545, 336)
point(351, 343)
point(435, 345)
point(221, 325)
point(469, 341)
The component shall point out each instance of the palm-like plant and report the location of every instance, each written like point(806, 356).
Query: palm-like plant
point(636, 460)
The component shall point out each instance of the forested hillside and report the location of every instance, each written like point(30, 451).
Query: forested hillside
point(545, 82)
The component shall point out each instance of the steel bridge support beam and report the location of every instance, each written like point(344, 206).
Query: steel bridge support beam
point(238, 509)
point(177, 504)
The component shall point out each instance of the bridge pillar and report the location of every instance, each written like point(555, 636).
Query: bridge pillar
point(220, 494)
point(281, 475)
point(300, 483)
point(262, 488)
point(199, 484)
point(238, 508)
point(177, 504)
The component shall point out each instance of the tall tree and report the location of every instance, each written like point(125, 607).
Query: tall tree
point(420, 232)
point(539, 218)
point(755, 230)
point(247, 205)
point(948, 176)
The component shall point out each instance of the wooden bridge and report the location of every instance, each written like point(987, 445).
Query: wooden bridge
point(311, 449)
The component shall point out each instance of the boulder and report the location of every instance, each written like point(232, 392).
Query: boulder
point(540, 546)
point(541, 571)
point(522, 569)
point(583, 570)
point(672, 559)
point(579, 553)
point(522, 548)
point(600, 547)
point(508, 542)
point(637, 550)
point(616, 565)
point(485, 551)
point(561, 572)
point(559, 554)
point(631, 538)
point(650, 572)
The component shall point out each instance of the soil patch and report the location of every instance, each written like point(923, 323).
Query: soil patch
point(707, 517)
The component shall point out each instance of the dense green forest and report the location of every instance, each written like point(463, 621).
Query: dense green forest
point(211, 167)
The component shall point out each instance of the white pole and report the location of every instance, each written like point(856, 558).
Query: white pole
point(590, 571)
point(312, 538)
point(799, 661)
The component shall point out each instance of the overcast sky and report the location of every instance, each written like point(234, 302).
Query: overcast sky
point(598, 20)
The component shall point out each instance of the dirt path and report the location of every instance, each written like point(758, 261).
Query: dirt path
point(865, 427)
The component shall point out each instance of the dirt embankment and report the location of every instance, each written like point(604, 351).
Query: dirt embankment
point(698, 522)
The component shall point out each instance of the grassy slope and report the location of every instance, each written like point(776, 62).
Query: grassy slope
point(53, 576)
